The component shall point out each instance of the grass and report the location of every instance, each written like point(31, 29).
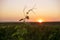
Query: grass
point(30, 31)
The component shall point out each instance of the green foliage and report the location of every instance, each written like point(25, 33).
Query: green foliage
point(26, 31)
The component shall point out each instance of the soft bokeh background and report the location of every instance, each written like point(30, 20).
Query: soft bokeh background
point(12, 10)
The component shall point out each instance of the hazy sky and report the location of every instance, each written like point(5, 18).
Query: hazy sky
point(12, 10)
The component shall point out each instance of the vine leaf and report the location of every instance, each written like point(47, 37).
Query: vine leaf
point(21, 19)
point(27, 17)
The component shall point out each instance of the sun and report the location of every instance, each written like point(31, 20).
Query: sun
point(40, 20)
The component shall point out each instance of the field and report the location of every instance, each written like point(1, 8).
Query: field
point(29, 31)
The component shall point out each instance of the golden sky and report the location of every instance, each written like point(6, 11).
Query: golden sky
point(12, 10)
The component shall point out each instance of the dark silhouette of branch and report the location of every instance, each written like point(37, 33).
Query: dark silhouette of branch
point(26, 16)
point(24, 10)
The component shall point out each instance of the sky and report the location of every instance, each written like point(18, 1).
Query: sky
point(12, 10)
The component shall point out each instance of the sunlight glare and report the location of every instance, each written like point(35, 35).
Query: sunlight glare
point(40, 20)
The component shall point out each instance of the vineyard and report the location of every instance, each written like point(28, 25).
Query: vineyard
point(30, 31)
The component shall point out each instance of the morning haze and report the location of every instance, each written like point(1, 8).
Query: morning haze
point(12, 10)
